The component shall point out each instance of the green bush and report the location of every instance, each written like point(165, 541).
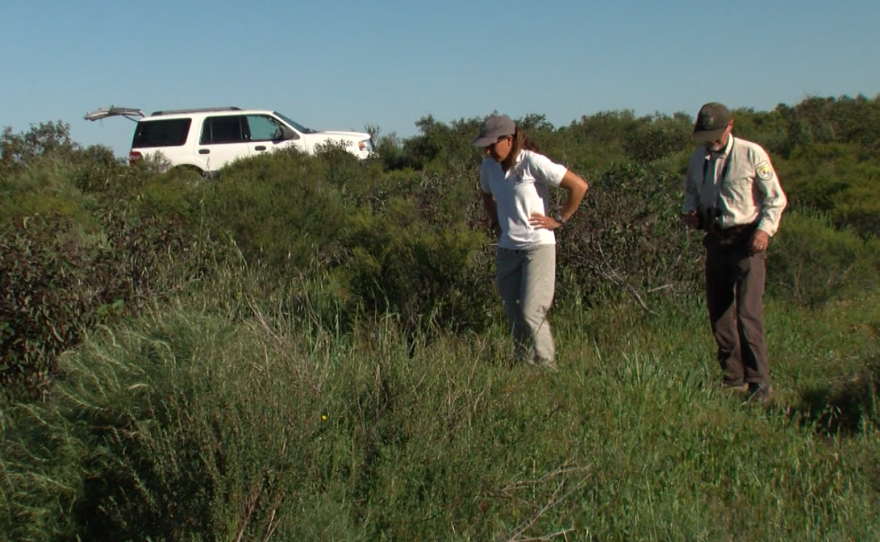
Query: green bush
point(44, 187)
point(628, 239)
point(811, 262)
point(170, 438)
point(52, 290)
point(767, 128)
point(279, 210)
point(838, 179)
point(425, 275)
point(658, 136)
point(47, 139)
point(834, 120)
point(592, 143)
point(58, 280)
point(440, 143)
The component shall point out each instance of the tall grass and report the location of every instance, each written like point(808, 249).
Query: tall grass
point(188, 424)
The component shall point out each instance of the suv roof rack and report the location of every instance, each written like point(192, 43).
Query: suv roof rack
point(197, 110)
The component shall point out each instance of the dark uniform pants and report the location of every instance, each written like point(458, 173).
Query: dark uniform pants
point(734, 293)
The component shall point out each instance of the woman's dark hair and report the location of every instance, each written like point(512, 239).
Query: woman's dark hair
point(521, 141)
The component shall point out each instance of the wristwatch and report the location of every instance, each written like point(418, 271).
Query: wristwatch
point(557, 216)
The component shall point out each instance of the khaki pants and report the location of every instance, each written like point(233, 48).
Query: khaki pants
point(734, 293)
point(526, 280)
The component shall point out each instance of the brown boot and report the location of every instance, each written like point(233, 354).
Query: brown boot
point(761, 393)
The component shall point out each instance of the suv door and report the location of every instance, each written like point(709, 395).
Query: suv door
point(223, 139)
point(266, 133)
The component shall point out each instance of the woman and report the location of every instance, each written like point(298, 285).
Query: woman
point(515, 181)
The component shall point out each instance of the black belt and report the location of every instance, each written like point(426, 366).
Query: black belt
point(731, 231)
point(732, 238)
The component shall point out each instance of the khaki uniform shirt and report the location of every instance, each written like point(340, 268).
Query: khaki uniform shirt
point(740, 181)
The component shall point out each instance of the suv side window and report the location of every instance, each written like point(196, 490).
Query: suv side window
point(225, 129)
point(264, 128)
point(161, 133)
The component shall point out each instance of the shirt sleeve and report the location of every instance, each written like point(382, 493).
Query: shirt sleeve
point(769, 192)
point(691, 196)
point(545, 170)
point(484, 178)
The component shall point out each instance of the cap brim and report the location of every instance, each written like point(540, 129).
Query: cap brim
point(484, 141)
point(709, 135)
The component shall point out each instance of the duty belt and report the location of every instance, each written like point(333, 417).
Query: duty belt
point(732, 231)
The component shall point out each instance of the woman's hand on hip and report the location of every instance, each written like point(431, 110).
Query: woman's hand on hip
point(541, 222)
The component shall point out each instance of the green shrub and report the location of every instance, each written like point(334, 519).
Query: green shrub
point(161, 424)
point(594, 142)
point(769, 129)
point(58, 280)
point(834, 120)
point(43, 187)
point(47, 139)
point(426, 275)
point(279, 210)
point(440, 143)
point(658, 136)
point(51, 291)
point(628, 239)
point(838, 179)
point(811, 262)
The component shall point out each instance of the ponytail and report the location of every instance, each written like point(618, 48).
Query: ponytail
point(521, 142)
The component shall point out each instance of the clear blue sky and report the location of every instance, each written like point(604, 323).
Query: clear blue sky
point(345, 64)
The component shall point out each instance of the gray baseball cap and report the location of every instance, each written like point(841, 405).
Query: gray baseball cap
point(492, 128)
point(711, 122)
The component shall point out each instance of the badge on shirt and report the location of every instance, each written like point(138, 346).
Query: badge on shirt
point(764, 170)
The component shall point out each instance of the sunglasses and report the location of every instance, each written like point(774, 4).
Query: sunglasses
point(497, 141)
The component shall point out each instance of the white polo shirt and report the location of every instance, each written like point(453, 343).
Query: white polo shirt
point(519, 192)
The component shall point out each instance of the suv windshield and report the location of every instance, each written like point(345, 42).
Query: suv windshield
point(296, 125)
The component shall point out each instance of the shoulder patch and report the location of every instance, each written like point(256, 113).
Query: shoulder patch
point(764, 170)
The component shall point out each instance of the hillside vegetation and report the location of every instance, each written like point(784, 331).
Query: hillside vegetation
point(311, 347)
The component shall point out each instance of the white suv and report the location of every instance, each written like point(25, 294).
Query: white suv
point(210, 138)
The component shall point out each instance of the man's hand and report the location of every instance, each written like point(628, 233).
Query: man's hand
point(691, 220)
point(760, 241)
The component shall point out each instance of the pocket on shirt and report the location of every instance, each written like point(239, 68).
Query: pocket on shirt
point(739, 191)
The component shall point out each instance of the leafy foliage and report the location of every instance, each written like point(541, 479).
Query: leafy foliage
point(812, 263)
point(427, 276)
point(628, 239)
point(309, 347)
point(278, 210)
point(404, 232)
point(17, 151)
point(838, 179)
point(58, 282)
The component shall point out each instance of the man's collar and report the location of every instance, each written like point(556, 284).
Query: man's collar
point(726, 150)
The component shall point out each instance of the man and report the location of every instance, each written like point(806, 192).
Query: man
point(733, 195)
